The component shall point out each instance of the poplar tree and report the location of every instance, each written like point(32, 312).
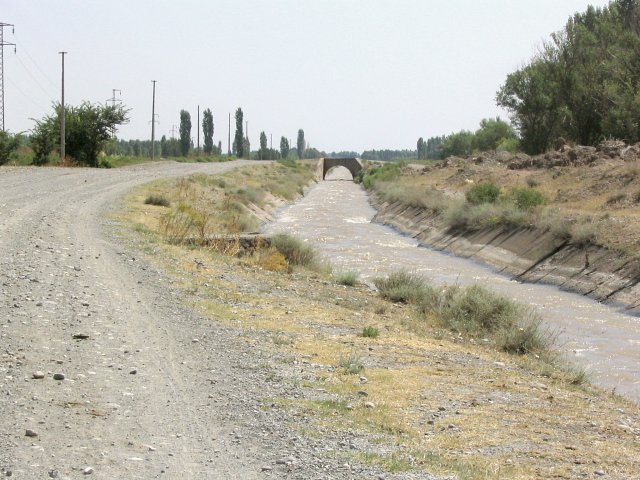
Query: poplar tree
point(185, 132)
point(284, 148)
point(238, 140)
point(207, 130)
point(301, 143)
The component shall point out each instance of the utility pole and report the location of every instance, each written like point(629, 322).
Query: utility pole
point(270, 146)
point(198, 127)
point(63, 119)
point(2, 45)
point(153, 122)
point(229, 137)
point(246, 129)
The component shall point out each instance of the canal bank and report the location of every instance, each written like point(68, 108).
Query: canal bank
point(526, 254)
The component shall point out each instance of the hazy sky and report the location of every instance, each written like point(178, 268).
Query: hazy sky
point(354, 74)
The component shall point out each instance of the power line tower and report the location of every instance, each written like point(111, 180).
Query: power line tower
point(2, 45)
point(173, 131)
point(114, 101)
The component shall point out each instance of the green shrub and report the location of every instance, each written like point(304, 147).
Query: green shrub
point(483, 193)
point(479, 312)
point(8, 145)
point(386, 173)
point(347, 278)
point(159, 200)
point(403, 287)
point(526, 198)
point(295, 250)
point(370, 332)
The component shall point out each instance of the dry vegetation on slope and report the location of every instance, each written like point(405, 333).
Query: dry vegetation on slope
point(414, 398)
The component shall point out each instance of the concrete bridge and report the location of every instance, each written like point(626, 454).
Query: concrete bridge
point(326, 164)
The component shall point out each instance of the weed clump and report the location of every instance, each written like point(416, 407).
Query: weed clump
point(348, 279)
point(158, 200)
point(295, 250)
point(526, 198)
point(370, 332)
point(403, 287)
point(472, 311)
point(351, 364)
point(483, 193)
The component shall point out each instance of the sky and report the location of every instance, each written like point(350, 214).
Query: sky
point(353, 74)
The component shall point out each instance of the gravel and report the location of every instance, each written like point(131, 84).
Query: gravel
point(188, 410)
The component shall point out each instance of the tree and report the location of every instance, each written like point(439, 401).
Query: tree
point(8, 144)
point(185, 132)
point(492, 132)
point(422, 149)
point(301, 145)
point(263, 153)
point(238, 140)
point(88, 129)
point(164, 150)
point(207, 129)
point(284, 147)
point(583, 84)
point(458, 144)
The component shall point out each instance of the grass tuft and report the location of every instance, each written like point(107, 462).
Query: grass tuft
point(370, 332)
point(403, 287)
point(348, 279)
point(295, 250)
point(158, 200)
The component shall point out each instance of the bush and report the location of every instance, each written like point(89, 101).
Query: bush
point(403, 287)
point(157, 200)
point(483, 193)
point(527, 198)
point(8, 144)
point(479, 312)
point(387, 172)
point(295, 250)
point(370, 332)
point(347, 278)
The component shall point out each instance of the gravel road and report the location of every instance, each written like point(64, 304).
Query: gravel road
point(150, 390)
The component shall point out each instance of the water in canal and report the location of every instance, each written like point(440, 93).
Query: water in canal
point(335, 216)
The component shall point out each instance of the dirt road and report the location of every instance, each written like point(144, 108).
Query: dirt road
point(150, 390)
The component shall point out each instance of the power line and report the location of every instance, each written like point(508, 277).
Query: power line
point(42, 72)
point(2, 45)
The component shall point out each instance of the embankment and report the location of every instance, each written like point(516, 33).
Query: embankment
point(527, 254)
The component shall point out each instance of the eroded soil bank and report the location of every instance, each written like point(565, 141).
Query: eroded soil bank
point(527, 254)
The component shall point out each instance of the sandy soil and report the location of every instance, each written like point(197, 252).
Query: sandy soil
point(150, 389)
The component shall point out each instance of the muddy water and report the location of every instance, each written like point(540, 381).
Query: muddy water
point(336, 217)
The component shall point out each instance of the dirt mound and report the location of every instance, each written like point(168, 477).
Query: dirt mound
point(564, 155)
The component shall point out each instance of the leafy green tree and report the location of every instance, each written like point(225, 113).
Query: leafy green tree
point(492, 132)
point(458, 144)
point(207, 130)
point(238, 139)
point(584, 83)
point(301, 144)
point(88, 129)
point(185, 132)
point(8, 144)
point(284, 147)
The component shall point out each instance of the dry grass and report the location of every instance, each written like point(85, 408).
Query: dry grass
point(440, 405)
point(606, 192)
